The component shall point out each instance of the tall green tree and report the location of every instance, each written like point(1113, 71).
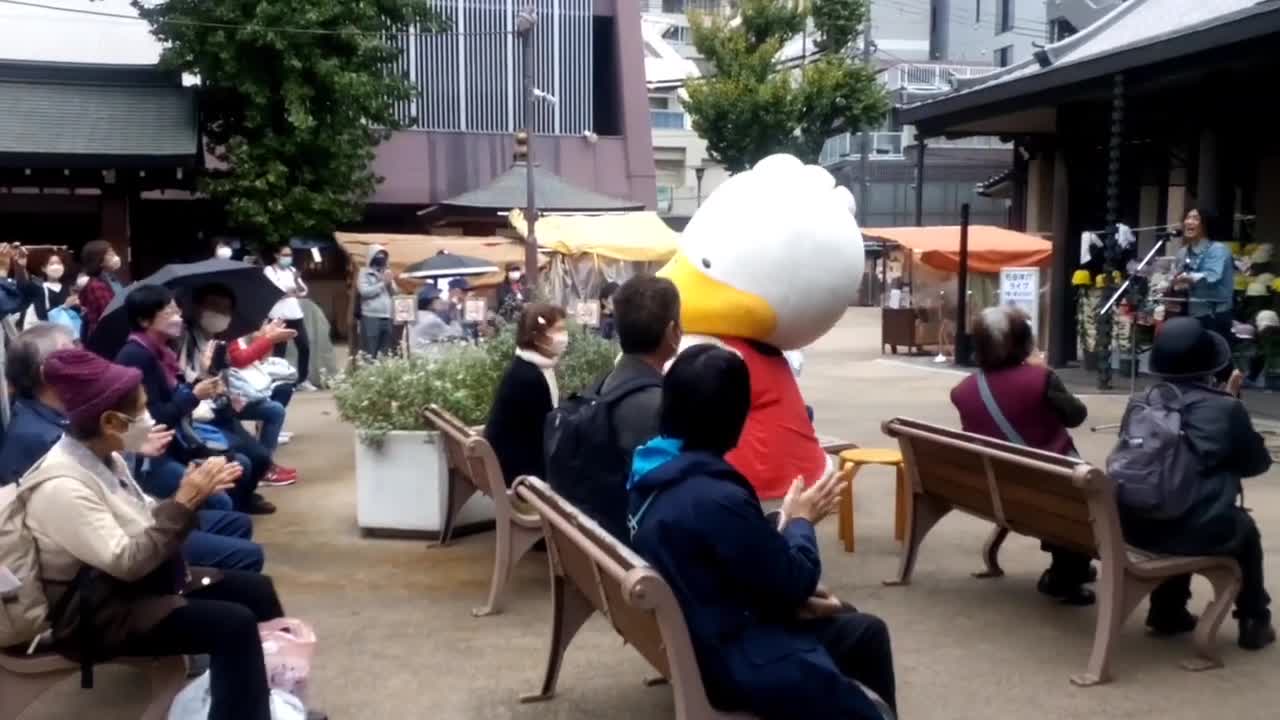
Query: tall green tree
point(294, 97)
point(751, 104)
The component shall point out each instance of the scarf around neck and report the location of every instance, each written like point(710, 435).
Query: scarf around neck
point(547, 366)
point(164, 356)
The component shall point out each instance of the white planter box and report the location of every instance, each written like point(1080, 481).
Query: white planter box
point(402, 486)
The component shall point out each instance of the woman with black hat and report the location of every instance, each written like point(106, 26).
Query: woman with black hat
point(1226, 449)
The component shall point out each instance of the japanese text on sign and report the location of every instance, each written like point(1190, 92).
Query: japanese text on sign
point(1020, 288)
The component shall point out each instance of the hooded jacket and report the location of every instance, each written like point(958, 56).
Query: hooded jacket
point(740, 583)
point(375, 296)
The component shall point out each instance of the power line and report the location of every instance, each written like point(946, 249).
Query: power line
point(264, 28)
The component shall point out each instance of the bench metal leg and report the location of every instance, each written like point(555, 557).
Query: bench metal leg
point(991, 554)
point(18, 692)
point(923, 512)
point(167, 677)
point(460, 491)
point(570, 610)
point(1226, 585)
point(1118, 597)
point(512, 543)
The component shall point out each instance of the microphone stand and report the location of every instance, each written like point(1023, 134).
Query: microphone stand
point(1161, 239)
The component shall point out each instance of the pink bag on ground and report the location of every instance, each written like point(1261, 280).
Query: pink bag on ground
point(287, 647)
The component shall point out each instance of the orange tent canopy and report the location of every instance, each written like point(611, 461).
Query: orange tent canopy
point(990, 248)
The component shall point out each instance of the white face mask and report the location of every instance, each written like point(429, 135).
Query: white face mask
point(81, 281)
point(171, 327)
point(214, 323)
point(557, 343)
point(54, 272)
point(113, 263)
point(139, 429)
point(514, 276)
point(223, 252)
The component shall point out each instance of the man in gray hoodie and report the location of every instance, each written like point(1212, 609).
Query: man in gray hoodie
point(376, 285)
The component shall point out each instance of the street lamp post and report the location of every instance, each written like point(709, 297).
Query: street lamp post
point(698, 172)
point(526, 20)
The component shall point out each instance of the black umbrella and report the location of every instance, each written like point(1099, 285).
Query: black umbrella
point(254, 294)
point(446, 264)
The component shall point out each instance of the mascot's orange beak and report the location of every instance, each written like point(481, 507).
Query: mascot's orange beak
point(711, 307)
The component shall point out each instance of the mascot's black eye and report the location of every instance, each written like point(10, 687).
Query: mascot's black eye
point(706, 263)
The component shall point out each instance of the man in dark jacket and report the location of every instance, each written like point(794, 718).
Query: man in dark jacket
point(1217, 426)
point(647, 312)
point(768, 639)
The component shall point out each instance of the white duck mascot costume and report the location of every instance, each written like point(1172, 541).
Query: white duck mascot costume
point(770, 263)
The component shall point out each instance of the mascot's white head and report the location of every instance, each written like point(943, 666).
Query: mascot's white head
point(774, 255)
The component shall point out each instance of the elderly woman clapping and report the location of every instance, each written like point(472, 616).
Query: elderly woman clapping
point(99, 536)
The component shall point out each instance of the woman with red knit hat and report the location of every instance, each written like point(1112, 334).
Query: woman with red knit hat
point(101, 537)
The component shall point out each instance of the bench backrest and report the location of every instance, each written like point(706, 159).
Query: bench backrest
point(617, 583)
point(1056, 498)
point(468, 453)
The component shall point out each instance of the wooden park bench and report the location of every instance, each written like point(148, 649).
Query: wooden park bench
point(1062, 500)
point(592, 572)
point(24, 678)
point(473, 468)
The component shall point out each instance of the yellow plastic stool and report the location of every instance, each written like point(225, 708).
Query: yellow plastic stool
point(855, 459)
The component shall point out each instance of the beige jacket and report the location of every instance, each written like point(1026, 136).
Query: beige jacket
point(89, 514)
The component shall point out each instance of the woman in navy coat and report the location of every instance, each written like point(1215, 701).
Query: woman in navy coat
point(769, 639)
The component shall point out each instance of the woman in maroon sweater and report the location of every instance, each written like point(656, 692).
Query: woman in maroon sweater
point(1015, 398)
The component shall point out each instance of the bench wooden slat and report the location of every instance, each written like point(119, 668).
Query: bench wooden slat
point(1060, 500)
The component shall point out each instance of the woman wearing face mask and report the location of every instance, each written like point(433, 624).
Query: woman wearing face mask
point(100, 536)
point(213, 307)
point(46, 292)
point(289, 311)
point(528, 392)
point(157, 324)
point(99, 261)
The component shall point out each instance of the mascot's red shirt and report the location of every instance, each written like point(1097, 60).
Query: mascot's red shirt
point(779, 442)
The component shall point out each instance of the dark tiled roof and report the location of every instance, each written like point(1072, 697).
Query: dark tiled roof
point(553, 192)
point(89, 119)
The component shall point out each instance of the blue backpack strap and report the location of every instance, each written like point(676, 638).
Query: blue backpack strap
point(1001, 421)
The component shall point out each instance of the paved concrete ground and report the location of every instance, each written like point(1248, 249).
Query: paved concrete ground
point(397, 640)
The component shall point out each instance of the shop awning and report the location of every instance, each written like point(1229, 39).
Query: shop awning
point(404, 250)
point(631, 236)
point(990, 248)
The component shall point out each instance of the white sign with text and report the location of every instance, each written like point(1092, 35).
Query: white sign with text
point(1020, 287)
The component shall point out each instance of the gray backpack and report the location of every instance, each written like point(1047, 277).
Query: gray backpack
point(1154, 465)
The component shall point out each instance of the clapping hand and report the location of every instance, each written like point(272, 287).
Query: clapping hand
point(276, 332)
point(816, 503)
point(201, 481)
point(208, 389)
point(157, 441)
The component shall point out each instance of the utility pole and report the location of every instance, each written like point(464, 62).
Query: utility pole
point(865, 189)
point(526, 20)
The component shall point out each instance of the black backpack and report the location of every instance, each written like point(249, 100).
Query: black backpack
point(584, 464)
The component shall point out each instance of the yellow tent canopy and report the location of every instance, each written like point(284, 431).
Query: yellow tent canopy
point(630, 236)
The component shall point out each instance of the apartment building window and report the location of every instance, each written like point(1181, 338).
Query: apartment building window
point(1004, 16)
point(1060, 29)
point(1004, 56)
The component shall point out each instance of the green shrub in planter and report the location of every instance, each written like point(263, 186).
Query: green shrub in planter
point(390, 393)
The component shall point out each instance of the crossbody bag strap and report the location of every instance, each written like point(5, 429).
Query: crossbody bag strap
point(994, 410)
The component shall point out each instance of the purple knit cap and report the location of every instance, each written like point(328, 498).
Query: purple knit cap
point(86, 384)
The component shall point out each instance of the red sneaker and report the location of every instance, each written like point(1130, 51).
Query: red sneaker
point(279, 476)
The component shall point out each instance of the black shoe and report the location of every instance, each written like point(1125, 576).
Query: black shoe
point(1068, 593)
point(260, 506)
point(1256, 634)
point(1170, 624)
